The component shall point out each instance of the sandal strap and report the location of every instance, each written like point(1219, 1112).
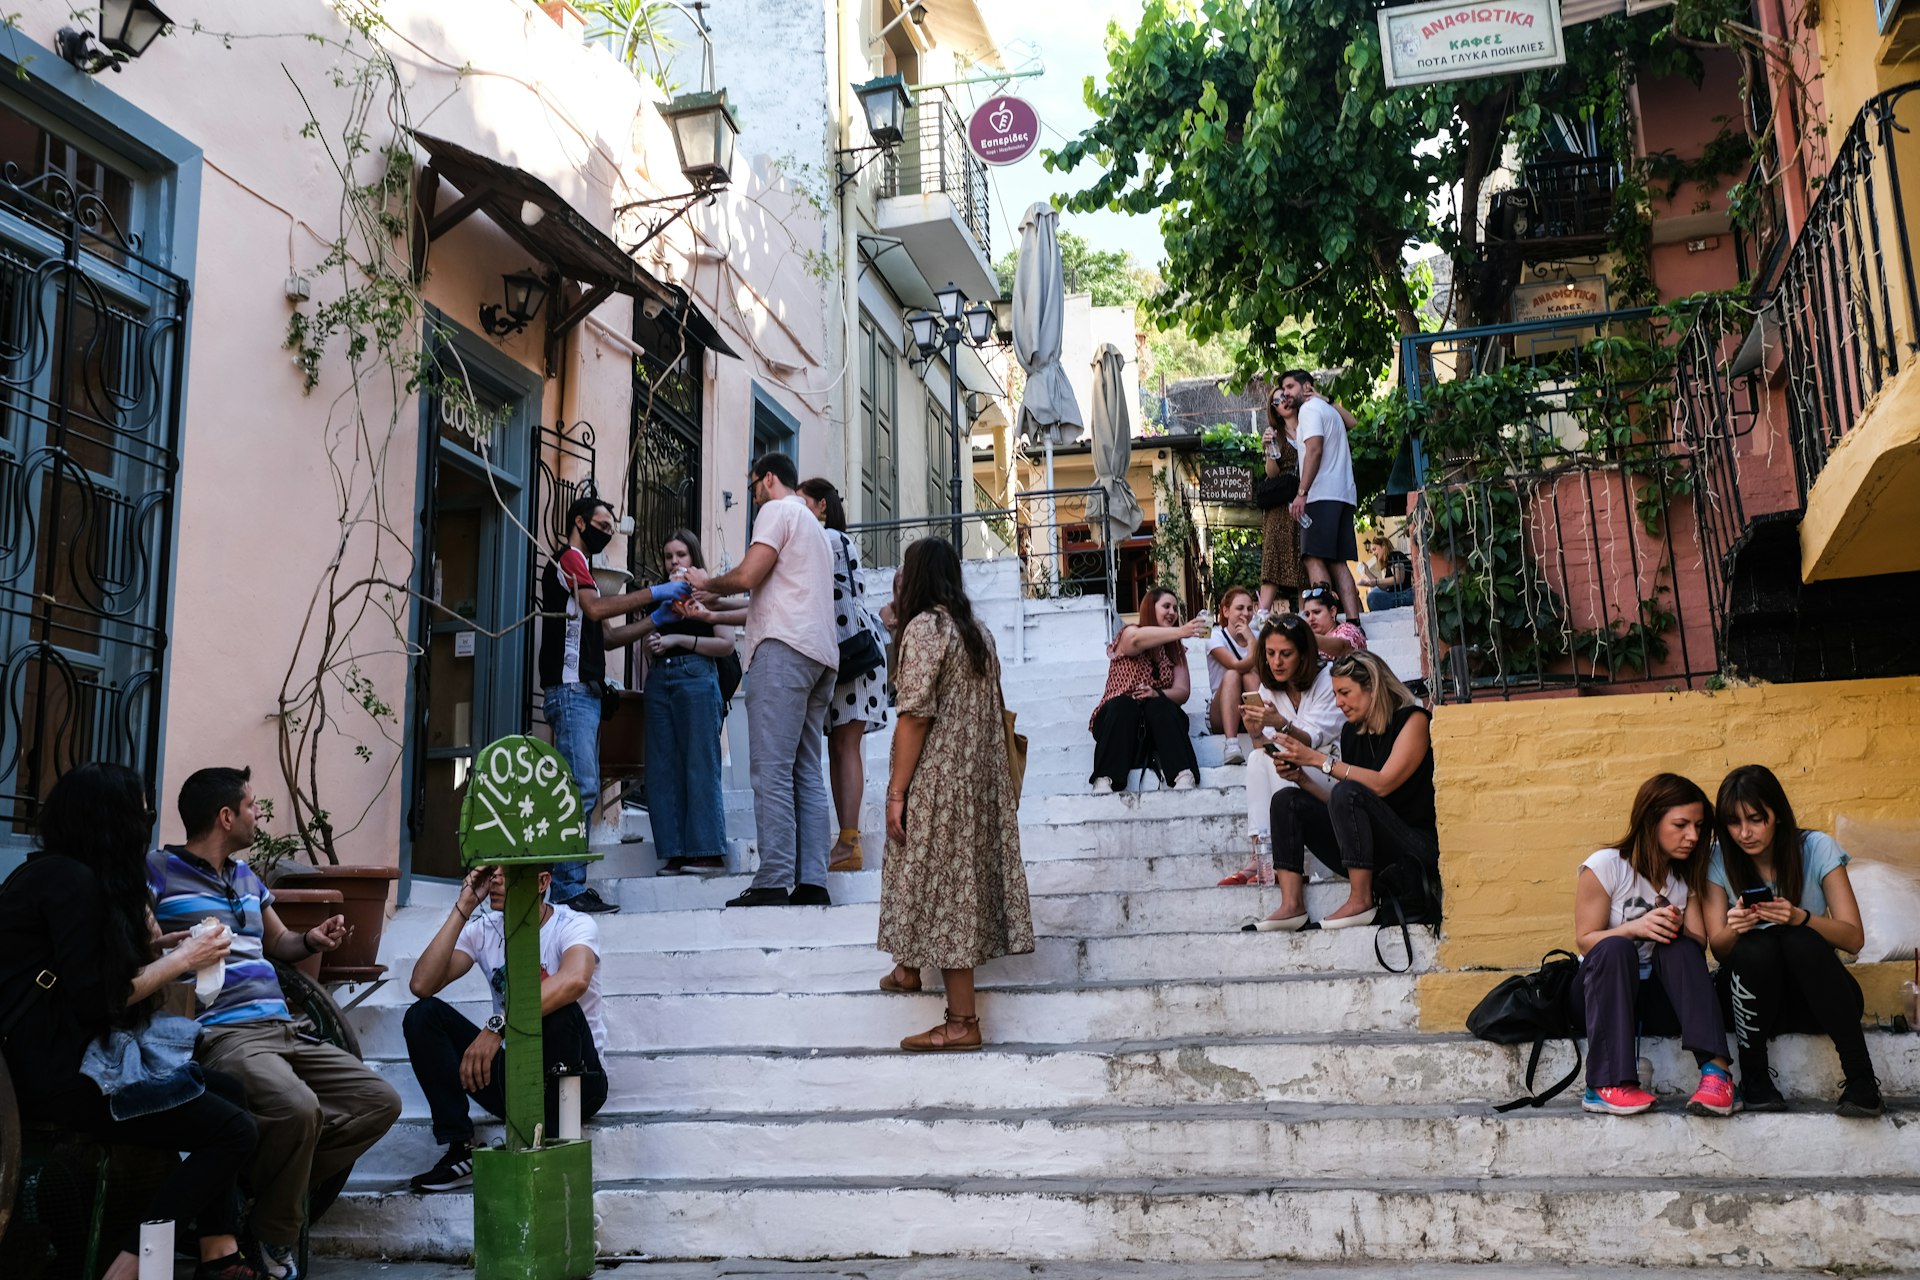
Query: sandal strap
point(971, 1020)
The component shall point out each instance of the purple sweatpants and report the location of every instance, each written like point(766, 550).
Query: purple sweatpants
point(1677, 996)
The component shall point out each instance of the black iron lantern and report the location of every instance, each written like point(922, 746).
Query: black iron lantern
point(886, 100)
point(127, 27)
point(703, 133)
point(525, 292)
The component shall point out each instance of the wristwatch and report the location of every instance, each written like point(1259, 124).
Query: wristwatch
point(496, 1024)
point(1326, 767)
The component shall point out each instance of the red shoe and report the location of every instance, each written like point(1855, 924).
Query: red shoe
point(1619, 1100)
point(1246, 875)
point(1716, 1095)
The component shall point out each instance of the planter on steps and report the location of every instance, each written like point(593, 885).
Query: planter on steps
point(302, 909)
point(363, 892)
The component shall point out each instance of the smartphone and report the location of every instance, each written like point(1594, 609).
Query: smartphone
point(1751, 898)
point(1250, 699)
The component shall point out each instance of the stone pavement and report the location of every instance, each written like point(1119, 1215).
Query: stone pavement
point(970, 1269)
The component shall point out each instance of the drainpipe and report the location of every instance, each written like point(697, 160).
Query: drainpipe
point(849, 54)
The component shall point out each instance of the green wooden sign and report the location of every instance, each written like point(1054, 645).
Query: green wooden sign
point(522, 805)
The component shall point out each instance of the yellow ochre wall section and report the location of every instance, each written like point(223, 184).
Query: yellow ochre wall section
point(1526, 790)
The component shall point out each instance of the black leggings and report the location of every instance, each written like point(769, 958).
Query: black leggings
point(1354, 828)
point(1789, 978)
point(1116, 739)
point(216, 1133)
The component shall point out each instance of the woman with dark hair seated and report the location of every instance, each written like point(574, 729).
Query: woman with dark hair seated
point(1375, 801)
point(80, 913)
point(1779, 909)
point(1336, 637)
point(1147, 688)
point(1638, 925)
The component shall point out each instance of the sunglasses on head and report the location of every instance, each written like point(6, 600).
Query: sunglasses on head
point(1315, 593)
point(1350, 667)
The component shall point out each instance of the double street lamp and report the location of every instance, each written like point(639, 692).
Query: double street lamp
point(957, 321)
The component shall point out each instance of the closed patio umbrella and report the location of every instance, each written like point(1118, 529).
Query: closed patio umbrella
point(1113, 444)
point(1039, 302)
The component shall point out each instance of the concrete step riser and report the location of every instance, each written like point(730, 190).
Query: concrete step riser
point(1250, 1145)
point(1468, 1074)
point(1631, 1225)
point(876, 1020)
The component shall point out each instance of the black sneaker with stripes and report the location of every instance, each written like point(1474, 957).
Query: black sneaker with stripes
point(454, 1171)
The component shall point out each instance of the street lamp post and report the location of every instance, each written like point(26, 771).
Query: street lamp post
point(957, 321)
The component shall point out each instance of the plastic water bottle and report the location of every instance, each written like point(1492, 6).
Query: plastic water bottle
point(1263, 860)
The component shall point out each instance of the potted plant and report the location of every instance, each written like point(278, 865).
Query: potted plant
point(299, 905)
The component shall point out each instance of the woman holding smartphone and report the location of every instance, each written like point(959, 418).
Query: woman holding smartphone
point(1638, 925)
point(1779, 909)
point(1293, 695)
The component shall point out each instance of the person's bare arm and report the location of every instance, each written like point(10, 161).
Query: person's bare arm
point(1310, 450)
point(1592, 906)
point(909, 740)
point(558, 990)
point(750, 573)
point(598, 608)
point(1333, 646)
point(1135, 640)
point(441, 963)
point(626, 633)
point(277, 942)
point(1182, 686)
point(1409, 749)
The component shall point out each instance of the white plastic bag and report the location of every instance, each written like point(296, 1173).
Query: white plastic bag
point(208, 979)
point(1889, 909)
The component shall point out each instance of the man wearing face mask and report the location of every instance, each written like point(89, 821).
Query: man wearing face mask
point(573, 665)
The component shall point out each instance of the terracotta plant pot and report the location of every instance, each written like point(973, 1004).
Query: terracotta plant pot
point(364, 903)
point(301, 909)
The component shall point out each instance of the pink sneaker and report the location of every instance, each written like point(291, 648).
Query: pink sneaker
point(1716, 1095)
point(1619, 1100)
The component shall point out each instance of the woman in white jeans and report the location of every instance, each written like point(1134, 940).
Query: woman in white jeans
point(1295, 697)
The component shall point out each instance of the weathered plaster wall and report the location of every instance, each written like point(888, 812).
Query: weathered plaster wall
point(1527, 790)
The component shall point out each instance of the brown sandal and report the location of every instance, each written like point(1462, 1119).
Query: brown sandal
point(938, 1041)
point(846, 853)
point(889, 984)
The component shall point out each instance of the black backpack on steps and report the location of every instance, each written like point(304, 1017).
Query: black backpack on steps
point(1534, 1007)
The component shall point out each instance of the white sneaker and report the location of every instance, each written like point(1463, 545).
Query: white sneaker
point(1185, 781)
point(1103, 786)
point(1232, 755)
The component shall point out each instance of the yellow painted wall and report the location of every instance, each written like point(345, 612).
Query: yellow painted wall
point(1526, 790)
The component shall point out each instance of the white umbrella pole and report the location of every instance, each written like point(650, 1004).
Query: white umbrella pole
point(1053, 525)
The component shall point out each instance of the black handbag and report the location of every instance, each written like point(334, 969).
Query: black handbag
point(1535, 1007)
point(1277, 491)
point(727, 668)
point(860, 655)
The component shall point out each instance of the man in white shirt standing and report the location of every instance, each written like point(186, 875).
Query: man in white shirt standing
point(455, 1060)
point(1327, 496)
point(791, 658)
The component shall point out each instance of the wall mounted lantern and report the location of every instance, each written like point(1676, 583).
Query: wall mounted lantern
point(703, 134)
point(525, 293)
point(127, 27)
point(885, 100)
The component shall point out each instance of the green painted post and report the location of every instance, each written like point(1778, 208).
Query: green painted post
point(532, 1200)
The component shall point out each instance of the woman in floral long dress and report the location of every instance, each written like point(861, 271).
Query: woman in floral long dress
point(953, 891)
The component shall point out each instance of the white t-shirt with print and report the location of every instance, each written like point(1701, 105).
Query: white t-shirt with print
point(1629, 894)
point(484, 939)
point(1333, 480)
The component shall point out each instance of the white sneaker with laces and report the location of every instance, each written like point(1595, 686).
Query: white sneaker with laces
point(1185, 781)
point(1232, 755)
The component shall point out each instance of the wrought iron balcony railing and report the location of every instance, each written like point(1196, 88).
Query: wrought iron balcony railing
point(934, 159)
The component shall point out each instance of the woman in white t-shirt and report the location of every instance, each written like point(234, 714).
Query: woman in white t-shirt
point(1230, 659)
point(1637, 916)
point(1779, 910)
point(1293, 695)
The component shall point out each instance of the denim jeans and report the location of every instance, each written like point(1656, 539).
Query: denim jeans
point(573, 712)
point(1382, 598)
point(683, 757)
point(787, 696)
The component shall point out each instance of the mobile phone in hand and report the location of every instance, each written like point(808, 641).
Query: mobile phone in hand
point(1751, 898)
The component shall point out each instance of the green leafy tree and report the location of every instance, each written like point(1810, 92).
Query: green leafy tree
point(1110, 275)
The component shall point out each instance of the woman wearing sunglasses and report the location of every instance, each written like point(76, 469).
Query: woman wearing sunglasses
point(1337, 639)
point(1360, 809)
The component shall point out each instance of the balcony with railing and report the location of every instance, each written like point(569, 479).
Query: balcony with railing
point(934, 198)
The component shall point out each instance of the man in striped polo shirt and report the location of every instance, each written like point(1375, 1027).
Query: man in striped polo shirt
point(318, 1106)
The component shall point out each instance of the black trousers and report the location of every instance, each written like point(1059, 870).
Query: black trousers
point(1118, 729)
point(214, 1134)
point(1353, 828)
point(438, 1036)
point(1617, 1006)
point(1789, 978)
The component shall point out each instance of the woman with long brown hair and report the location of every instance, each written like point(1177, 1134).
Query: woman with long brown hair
point(1638, 924)
point(1281, 572)
point(953, 891)
point(1144, 703)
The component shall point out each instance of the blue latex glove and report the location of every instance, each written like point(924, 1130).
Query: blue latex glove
point(664, 614)
point(669, 591)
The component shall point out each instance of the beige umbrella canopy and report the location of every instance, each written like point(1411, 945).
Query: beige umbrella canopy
point(1113, 443)
point(1048, 409)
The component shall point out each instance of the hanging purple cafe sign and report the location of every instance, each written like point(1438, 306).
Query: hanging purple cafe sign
point(1004, 129)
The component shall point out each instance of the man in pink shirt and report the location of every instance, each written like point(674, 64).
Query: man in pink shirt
point(791, 660)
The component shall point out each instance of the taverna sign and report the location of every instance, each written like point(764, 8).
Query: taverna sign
point(1446, 40)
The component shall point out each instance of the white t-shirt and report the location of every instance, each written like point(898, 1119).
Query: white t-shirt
point(1333, 480)
point(1215, 672)
point(1315, 712)
point(484, 938)
point(1629, 894)
point(795, 603)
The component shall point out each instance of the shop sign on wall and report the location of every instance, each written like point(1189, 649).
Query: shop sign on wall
point(1004, 129)
point(1559, 299)
point(1223, 482)
point(1447, 40)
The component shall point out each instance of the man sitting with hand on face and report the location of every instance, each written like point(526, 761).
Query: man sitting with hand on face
point(455, 1060)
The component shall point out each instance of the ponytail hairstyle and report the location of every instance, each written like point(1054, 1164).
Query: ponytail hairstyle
point(1640, 846)
point(99, 815)
point(1754, 787)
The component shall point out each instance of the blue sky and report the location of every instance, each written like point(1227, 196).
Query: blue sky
point(1070, 40)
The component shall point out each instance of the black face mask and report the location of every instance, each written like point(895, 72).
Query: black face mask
point(595, 539)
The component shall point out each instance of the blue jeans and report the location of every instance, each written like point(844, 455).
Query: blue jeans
point(1381, 598)
point(573, 712)
point(683, 757)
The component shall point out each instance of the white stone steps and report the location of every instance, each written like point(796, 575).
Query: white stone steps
point(1861, 1224)
point(1052, 1014)
point(1323, 1141)
point(638, 1268)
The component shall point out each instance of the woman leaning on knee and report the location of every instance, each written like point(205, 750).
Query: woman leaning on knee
point(1638, 925)
point(1379, 796)
point(1779, 908)
point(1230, 662)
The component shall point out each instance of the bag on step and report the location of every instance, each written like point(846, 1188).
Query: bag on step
point(1406, 892)
point(1535, 1007)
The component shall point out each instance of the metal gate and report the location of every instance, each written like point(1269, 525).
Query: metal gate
point(666, 461)
point(91, 375)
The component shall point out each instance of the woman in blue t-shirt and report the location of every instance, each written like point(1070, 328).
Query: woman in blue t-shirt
point(1779, 907)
